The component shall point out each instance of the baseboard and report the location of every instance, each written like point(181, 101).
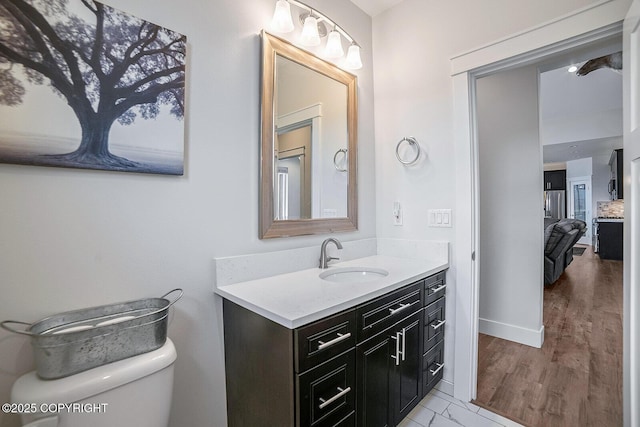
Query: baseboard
point(445, 387)
point(517, 334)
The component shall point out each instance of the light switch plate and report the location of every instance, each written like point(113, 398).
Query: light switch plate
point(397, 213)
point(440, 218)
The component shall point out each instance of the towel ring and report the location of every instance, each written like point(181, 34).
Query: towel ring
point(335, 159)
point(412, 141)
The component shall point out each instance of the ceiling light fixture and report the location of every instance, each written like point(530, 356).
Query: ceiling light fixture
point(572, 69)
point(283, 23)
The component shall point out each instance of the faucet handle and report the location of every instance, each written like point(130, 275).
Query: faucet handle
point(329, 258)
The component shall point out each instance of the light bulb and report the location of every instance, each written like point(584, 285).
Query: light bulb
point(572, 69)
point(310, 36)
point(334, 46)
point(282, 22)
point(353, 61)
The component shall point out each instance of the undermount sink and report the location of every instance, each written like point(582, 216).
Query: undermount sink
point(353, 274)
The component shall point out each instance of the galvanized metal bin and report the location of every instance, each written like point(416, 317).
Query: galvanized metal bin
point(72, 342)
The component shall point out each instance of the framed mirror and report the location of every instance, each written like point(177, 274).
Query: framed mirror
point(308, 143)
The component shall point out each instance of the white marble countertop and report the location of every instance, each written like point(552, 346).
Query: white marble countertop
point(295, 299)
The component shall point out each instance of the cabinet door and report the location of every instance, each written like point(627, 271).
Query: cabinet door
point(374, 368)
point(407, 377)
point(610, 235)
point(555, 180)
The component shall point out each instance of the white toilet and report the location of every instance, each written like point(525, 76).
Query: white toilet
point(134, 392)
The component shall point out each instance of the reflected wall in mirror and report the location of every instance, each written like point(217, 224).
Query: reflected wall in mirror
point(309, 134)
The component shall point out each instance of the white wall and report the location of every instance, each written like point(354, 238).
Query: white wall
point(601, 173)
point(413, 46)
point(510, 171)
point(579, 168)
point(77, 238)
point(579, 108)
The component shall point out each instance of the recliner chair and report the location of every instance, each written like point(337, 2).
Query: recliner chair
point(559, 239)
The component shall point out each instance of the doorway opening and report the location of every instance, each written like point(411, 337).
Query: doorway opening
point(536, 341)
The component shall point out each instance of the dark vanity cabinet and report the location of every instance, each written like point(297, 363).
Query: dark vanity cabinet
point(434, 321)
point(366, 366)
point(388, 360)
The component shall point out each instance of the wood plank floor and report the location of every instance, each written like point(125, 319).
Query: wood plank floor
point(575, 379)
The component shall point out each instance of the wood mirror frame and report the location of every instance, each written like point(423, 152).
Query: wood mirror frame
point(270, 227)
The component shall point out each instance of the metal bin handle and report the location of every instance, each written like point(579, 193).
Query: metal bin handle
point(4, 323)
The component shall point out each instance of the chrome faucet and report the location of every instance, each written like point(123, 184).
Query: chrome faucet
point(324, 258)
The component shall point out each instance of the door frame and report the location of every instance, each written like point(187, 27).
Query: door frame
point(597, 22)
point(586, 238)
point(631, 123)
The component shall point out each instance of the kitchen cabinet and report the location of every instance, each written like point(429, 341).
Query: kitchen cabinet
point(616, 187)
point(555, 180)
point(363, 366)
point(610, 240)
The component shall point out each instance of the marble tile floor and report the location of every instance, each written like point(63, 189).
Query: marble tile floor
point(438, 409)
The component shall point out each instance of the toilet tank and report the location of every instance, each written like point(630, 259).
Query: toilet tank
point(132, 392)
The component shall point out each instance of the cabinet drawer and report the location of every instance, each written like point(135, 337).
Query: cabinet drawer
point(432, 367)
point(434, 287)
point(434, 321)
point(326, 393)
point(348, 421)
point(383, 312)
point(324, 339)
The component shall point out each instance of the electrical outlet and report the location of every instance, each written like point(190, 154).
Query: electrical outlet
point(397, 213)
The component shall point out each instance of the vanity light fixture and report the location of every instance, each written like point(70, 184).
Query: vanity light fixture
point(283, 23)
point(334, 49)
point(353, 61)
point(310, 36)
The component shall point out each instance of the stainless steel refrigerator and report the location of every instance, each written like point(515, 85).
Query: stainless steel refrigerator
point(555, 204)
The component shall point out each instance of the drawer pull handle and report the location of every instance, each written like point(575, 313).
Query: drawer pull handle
point(393, 311)
point(341, 337)
point(435, 371)
point(404, 338)
point(438, 325)
point(342, 392)
point(438, 289)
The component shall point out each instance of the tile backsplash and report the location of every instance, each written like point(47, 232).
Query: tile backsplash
point(611, 209)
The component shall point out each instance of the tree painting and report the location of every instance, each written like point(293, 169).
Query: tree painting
point(109, 68)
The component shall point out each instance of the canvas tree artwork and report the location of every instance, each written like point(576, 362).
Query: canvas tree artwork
point(84, 85)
